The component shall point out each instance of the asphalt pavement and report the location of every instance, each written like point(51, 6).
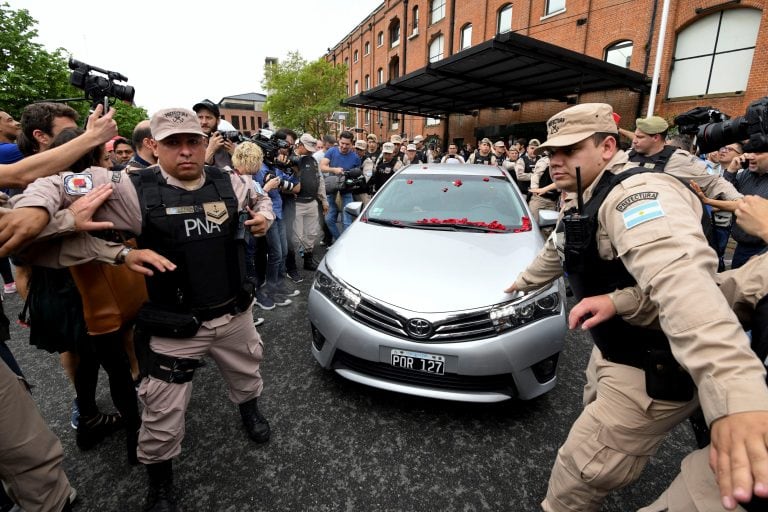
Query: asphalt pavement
point(338, 445)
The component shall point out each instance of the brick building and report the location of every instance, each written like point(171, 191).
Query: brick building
point(245, 112)
point(709, 56)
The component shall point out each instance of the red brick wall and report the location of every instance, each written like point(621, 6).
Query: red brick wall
point(607, 22)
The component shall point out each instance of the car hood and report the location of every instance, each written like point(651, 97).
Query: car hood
point(429, 270)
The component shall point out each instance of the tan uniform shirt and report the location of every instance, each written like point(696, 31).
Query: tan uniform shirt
point(669, 257)
point(542, 164)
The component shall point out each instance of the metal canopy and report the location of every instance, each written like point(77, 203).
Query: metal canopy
point(511, 68)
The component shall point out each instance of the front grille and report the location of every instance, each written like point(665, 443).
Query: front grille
point(489, 383)
point(462, 327)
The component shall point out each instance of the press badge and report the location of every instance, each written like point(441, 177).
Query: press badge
point(216, 212)
point(78, 184)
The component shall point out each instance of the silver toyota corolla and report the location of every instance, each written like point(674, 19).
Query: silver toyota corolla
point(411, 297)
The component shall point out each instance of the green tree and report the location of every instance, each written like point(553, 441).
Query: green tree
point(29, 73)
point(302, 96)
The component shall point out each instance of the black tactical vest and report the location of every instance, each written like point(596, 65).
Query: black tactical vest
point(382, 173)
point(590, 275)
point(180, 225)
point(483, 160)
point(657, 161)
point(308, 178)
point(545, 180)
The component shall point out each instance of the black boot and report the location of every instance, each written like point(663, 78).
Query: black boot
point(160, 497)
point(309, 261)
point(91, 430)
point(255, 423)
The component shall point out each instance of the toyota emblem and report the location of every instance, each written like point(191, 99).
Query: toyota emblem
point(419, 328)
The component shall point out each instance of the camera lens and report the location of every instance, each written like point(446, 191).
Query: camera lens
point(713, 136)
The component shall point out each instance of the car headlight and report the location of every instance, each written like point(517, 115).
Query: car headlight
point(337, 291)
point(525, 310)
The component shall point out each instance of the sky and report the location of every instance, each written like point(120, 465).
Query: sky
point(177, 53)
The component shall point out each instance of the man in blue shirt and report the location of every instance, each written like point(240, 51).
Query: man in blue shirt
point(9, 130)
point(336, 161)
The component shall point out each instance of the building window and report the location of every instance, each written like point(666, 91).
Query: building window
point(415, 20)
point(356, 56)
point(619, 53)
point(504, 19)
point(466, 36)
point(394, 67)
point(436, 49)
point(437, 11)
point(554, 6)
point(367, 82)
point(379, 118)
point(367, 118)
point(432, 121)
point(357, 87)
point(714, 54)
point(380, 76)
point(367, 48)
point(380, 39)
point(394, 33)
point(346, 61)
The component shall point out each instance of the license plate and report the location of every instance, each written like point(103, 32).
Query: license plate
point(418, 361)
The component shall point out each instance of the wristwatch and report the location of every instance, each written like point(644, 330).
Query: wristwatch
point(120, 258)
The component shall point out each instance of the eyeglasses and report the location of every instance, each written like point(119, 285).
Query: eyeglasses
point(729, 148)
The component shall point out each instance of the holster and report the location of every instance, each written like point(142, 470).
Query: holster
point(665, 379)
point(175, 370)
point(164, 322)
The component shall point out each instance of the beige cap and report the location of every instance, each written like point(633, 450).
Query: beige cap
point(410, 147)
point(372, 136)
point(361, 144)
point(171, 121)
point(575, 124)
point(499, 144)
point(417, 139)
point(309, 142)
point(396, 139)
point(387, 147)
point(535, 143)
point(652, 125)
point(486, 141)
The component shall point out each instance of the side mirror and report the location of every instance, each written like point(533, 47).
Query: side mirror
point(354, 208)
point(547, 218)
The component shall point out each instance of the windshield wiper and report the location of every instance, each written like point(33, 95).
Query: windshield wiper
point(467, 227)
point(386, 222)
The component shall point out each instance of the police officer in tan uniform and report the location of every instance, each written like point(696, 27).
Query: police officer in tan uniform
point(194, 216)
point(644, 228)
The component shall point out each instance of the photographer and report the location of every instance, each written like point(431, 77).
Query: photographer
point(338, 160)
point(753, 180)
point(306, 225)
point(220, 149)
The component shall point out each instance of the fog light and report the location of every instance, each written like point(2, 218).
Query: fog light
point(318, 340)
point(545, 369)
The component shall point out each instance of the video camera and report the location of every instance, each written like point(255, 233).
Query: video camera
point(98, 87)
point(271, 147)
point(232, 136)
point(353, 178)
point(713, 129)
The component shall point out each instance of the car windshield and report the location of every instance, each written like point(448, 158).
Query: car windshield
point(446, 201)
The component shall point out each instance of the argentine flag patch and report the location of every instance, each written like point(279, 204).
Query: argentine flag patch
point(642, 213)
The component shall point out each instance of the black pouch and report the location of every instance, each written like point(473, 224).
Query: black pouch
point(166, 323)
point(665, 379)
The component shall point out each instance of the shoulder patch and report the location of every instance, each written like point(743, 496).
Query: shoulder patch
point(640, 196)
point(642, 213)
point(78, 184)
point(117, 176)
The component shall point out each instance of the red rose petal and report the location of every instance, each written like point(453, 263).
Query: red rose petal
point(486, 179)
point(457, 183)
point(410, 182)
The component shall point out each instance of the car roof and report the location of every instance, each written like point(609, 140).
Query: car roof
point(453, 169)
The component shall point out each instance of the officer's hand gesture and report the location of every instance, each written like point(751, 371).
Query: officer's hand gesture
point(140, 260)
point(738, 456)
point(257, 223)
point(591, 311)
point(20, 225)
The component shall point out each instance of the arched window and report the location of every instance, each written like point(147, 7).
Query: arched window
point(357, 87)
point(415, 20)
point(436, 11)
point(367, 82)
point(380, 39)
point(619, 53)
point(380, 76)
point(356, 56)
point(504, 19)
point(367, 47)
point(714, 54)
point(436, 49)
point(394, 33)
point(466, 36)
point(394, 67)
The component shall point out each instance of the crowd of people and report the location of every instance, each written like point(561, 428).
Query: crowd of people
point(158, 248)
